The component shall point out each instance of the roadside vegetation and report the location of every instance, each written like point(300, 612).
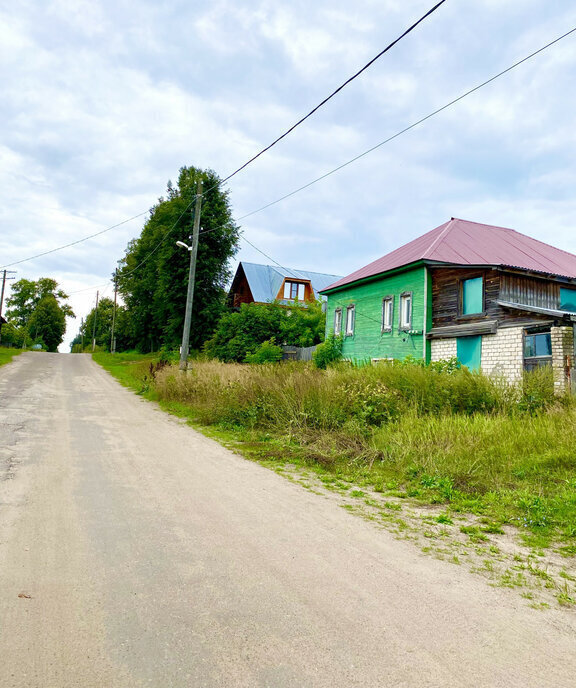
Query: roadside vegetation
point(6, 354)
point(437, 434)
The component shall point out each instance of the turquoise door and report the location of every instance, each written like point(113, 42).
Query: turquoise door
point(469, 351)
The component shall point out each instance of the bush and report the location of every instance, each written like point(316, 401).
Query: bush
point(242, 332)
point(267, 352)
point(328, 352)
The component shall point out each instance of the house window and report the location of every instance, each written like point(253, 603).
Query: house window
point(294, 290)
point(387, 313)
point(472, 298)
point(406, 311)
point(350, 317)
point(537, 349)
point(337, 321)
point(567, 299)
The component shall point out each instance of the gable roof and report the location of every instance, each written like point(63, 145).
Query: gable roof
point(265, 281)
point(462, 242)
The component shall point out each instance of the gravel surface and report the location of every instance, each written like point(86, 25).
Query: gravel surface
point(136, 552)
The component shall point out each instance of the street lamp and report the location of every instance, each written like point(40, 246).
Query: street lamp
point(183, 245)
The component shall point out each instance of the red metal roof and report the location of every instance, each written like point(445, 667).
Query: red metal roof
point(471, 243)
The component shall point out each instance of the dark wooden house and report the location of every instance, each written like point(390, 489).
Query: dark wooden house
point(496, 299)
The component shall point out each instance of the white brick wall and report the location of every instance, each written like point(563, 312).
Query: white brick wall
point(502, 353)
point(442, 349)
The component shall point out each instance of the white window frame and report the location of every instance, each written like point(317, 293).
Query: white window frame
point(350, 320)
point(299, 289)
point(387, 313)
point(337, 321)
point(405, 319)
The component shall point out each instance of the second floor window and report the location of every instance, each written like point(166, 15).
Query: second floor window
point(350, 317)
point(472, 296)
point(406, 311)
point(387, 313)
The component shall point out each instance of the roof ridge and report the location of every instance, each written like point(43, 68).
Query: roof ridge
point(425, 254)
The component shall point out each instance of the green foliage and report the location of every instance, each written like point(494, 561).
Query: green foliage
point(98, 325)
point(48, 323)
point(153, 275)
point(38, 310)
point(537, 389)
point(267, 352)
point(12, 335)
point(27, 294)
point(329, 351)
point(242, 332)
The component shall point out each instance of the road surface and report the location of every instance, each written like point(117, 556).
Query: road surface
point(136, 552)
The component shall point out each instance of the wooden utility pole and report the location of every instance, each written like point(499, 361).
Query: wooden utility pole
point(82, 333)
point(191, 277)
point(4, 278)
point(94, 325)
point(112, 338)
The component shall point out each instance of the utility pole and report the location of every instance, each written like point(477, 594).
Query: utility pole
point(4, 278)
point(94, 325)
point(112, 339)
point(82, 333)
point(191, 277)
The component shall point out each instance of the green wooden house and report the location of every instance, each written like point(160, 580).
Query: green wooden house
point(496, 299)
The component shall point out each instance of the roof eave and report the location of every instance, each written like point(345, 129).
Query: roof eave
point(378, 275)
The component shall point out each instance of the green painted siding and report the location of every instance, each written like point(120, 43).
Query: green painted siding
point(368, 340)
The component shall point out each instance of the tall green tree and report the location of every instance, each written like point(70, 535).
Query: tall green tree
point(27, 294)
point(48, 322)
point(153, 275)
point(39, 309)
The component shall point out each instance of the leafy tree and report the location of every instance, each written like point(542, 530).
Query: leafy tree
point(27, 294)
point(39, 308)
point(241, 333)
point(48, 322)
point(153, 275)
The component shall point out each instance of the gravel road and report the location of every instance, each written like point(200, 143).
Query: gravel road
point(136, 552)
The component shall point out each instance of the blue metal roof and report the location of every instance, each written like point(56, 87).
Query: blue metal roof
point(265, 281)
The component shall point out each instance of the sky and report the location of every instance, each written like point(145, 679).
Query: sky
point(103, 102)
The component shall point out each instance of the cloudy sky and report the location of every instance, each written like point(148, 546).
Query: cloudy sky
point(103, 101)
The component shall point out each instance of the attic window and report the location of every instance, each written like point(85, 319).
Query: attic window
point(294, 290)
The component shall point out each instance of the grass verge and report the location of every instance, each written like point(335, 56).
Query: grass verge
point(6, 355)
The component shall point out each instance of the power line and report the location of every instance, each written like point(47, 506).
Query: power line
point(345, 164)
point(354, 76)
point(73, 243)
point(411, 126)
point(261, 152)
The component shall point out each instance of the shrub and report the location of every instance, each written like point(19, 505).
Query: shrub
point(267, 352)
point(328, 352)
